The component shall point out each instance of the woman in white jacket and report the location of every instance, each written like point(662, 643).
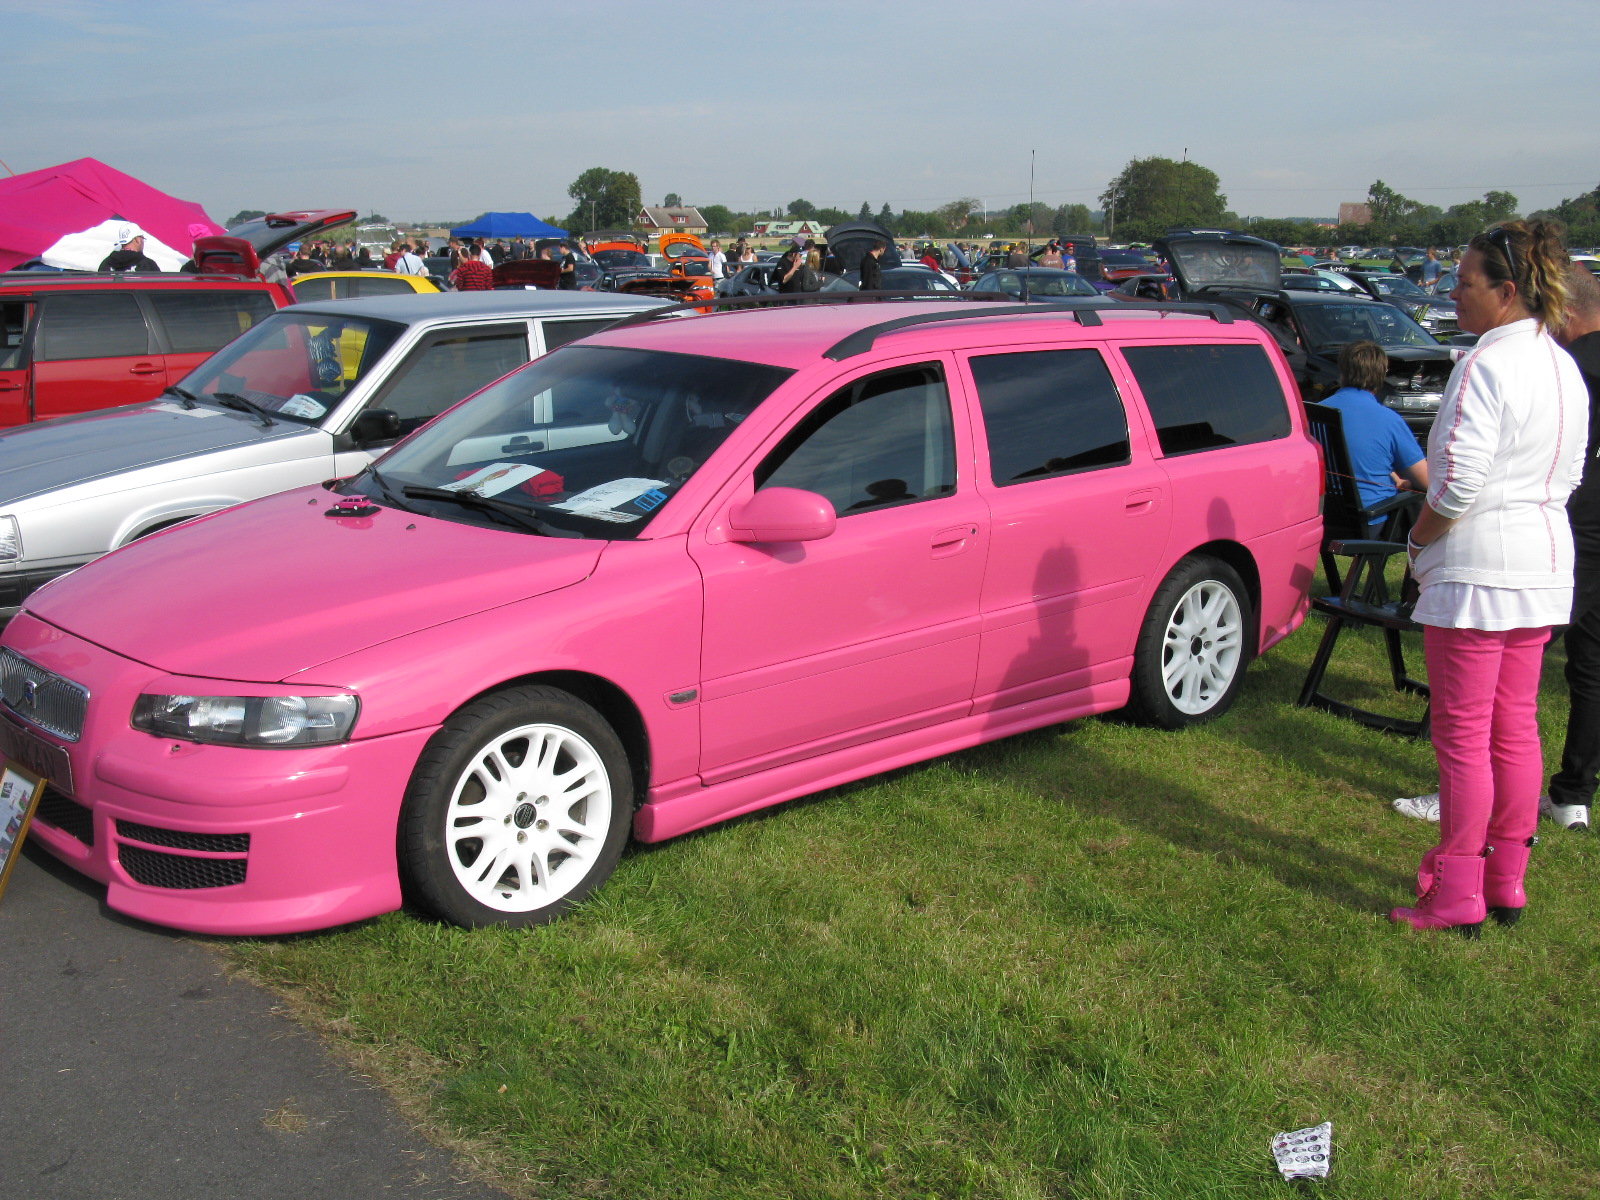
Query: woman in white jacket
point(1492, 554)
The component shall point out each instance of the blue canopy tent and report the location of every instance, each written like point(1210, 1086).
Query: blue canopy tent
point(508, 224)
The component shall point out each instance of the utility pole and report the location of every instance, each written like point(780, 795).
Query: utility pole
point(1032, 154)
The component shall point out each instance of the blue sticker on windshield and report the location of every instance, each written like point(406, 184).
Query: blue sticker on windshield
point(651, 500)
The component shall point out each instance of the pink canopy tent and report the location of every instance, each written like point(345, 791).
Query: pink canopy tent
point(72, 215)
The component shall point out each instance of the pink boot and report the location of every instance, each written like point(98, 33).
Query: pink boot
point(1502, 879)
point(1453, 901)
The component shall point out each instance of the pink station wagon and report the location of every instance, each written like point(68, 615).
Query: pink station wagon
point(672, 573)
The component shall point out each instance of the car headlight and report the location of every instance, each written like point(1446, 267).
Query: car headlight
point(248, 720)
point(10, 540)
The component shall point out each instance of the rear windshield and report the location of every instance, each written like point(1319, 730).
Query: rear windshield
point(588, 441)
point(295, 364)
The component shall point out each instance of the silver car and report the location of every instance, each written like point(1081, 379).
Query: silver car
point(314, 392)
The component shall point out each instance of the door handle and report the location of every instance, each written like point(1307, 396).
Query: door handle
point(1142, 501)
point(7, 386)
point(145, 369)
point(952, 541)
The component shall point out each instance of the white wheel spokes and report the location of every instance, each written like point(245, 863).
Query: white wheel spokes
point(1203, 641)
point(527, 817)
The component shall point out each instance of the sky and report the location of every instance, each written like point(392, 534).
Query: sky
point(423, 110)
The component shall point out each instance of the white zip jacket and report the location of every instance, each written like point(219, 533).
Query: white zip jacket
point(1506, 450)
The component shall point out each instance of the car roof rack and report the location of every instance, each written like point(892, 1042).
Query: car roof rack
point(1085, 310)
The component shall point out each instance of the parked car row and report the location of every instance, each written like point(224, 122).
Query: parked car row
point(662, 574)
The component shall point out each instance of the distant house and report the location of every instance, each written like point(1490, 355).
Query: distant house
point(685, 219)
point(805, 229)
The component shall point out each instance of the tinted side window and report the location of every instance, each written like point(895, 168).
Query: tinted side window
point(92, 325)
point(883, 440)
point(1206, 397)
point(13, 328)
point(451, 369)
point(313, 290)
point(200, 322)
point(559, 333)
point(1049, 412)
point(377, 285)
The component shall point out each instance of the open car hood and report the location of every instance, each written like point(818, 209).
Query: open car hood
point(311, 588)
point(1206, 260)
point(241, 249)
point(682, 245)
point(850, 242)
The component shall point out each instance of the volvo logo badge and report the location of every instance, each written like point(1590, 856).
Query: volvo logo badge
point(30, 694)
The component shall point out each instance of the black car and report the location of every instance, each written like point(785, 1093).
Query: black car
point(1312, 327)
point(1435, 313)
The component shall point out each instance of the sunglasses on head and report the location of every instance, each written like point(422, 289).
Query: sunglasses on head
point(1501, 239)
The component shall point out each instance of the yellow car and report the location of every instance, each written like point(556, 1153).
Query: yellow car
point(346, 285)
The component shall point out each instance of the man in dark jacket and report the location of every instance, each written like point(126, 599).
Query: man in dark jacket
point(129, 254)
point(871, 269)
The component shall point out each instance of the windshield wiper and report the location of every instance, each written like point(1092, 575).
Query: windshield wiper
point(517, 515)
point(387, 491)
point(244, 404)
point(186, 396)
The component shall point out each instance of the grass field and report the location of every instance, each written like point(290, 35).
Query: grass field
point(1094, 961)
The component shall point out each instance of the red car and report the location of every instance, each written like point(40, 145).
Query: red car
point(73, 343)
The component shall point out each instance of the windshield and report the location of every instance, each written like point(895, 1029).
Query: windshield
point(915, 281)
point(1123, 258)
point(295, 364)
point(1331, 325)
point(591, 440)
point(621, 258)
point(1396, 285)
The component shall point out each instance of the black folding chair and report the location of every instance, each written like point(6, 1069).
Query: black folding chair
point(1344, 517)
point(1365, 600)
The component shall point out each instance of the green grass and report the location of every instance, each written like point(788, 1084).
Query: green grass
point(1093, 961)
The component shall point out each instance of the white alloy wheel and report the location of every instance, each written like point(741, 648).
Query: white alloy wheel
point(1202, 651)
point(528, 818)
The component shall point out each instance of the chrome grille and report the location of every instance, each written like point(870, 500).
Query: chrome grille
point(42, 697)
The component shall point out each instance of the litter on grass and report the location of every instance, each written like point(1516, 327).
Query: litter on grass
point(1305, 1153)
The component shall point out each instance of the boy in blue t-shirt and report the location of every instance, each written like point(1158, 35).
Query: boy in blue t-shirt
point(1383, 450)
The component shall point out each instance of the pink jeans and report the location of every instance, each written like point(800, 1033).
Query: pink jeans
point(1485, 690)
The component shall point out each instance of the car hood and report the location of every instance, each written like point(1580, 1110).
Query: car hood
point(274, 587)
point(48, 455)
point(1211, 260)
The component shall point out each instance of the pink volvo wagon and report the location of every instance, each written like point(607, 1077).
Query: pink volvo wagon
point(669, 574)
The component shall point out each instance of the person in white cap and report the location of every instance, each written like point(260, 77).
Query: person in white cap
point(129, 254)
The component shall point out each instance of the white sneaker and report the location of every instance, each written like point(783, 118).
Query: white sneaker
point(1423, 808)
point(1568, 816)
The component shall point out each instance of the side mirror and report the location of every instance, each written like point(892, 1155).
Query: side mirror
point(375, 425)
point(782, 514)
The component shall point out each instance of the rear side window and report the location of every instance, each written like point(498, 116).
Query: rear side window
point(1208, 397)
point(92, 325)
point(377, 285)
point(1049, 412)
point(884, 440)
point(559, 333)
point(310, 290)
point(200, 322)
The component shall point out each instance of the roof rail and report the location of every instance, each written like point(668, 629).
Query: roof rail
point(1084, 310)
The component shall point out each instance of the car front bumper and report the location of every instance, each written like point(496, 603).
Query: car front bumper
point(212, 839)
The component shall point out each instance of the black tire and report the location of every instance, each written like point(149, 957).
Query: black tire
point(472, 776)
point(1188, 677)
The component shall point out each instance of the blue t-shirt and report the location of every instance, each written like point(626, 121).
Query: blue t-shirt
point(1379, 442)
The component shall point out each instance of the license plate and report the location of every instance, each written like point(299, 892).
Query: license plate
point(37, 755)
